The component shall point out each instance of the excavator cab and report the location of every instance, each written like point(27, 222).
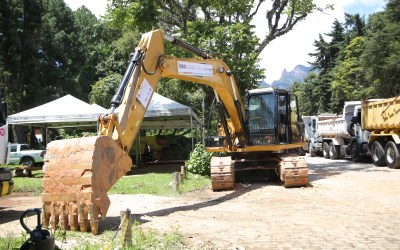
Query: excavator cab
point(272, 117)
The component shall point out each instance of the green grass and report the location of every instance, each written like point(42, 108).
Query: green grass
point(29, 184)
point(158, 184)
point(141, 239)
point(12, 241)
point(150, 183)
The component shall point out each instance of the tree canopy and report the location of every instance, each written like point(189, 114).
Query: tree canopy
point(359, 60)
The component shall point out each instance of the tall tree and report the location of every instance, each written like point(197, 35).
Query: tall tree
point(61, 51)
point(354, 26)
point(88, 33)
point(382, 50)
point(308, 94)
point(12, 29)
point(326, 56)
point(175, 16)
point(348, 83)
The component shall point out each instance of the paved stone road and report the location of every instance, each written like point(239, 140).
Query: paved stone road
point(347, 206)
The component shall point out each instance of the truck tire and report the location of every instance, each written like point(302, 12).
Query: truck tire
point(325, 150)
point(333, 151)
point(377, 154)
point(27, 161)
point(311, 150)
point(355, 156)
point(392, 156)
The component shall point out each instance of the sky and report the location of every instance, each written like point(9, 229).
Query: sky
point(291, 49)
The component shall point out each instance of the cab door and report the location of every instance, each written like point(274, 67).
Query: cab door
point(14, 155)
point(296, 122)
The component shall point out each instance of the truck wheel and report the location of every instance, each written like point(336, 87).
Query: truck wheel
point(325, 150)
point(333, 151)
point(392, 157)
point(27, 162)
point(355, 156)
point(311, 150)
point(378, 154)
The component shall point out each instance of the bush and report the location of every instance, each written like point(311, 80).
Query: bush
point(199, 161)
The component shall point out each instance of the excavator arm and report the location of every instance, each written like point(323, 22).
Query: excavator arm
point(79, 172)
point(147, 66)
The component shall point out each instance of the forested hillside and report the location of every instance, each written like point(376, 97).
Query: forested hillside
point(358, 59)
point(47, 50)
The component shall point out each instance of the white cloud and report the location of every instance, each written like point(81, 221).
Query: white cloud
point(293, 48)
point(97, 7)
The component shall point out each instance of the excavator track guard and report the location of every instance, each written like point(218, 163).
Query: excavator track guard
point(222, 173)
point(293, 171)
point(76, 194)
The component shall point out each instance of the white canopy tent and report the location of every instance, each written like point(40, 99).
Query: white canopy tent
point(166, 113)
point(68, 111)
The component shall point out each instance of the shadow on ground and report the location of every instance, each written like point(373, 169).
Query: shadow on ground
point(112, 223)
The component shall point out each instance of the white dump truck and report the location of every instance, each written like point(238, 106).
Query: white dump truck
point(331, 135)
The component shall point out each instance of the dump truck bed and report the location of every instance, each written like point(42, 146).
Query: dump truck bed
point(338, 126)
point(381, 115)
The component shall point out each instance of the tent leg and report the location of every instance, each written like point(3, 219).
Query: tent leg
point(191, 128)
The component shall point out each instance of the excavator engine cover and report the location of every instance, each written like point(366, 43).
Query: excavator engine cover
point(78, 174)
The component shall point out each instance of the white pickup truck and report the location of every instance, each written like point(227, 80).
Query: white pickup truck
point(21, 154)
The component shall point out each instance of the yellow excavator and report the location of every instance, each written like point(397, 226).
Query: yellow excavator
point(266, 133)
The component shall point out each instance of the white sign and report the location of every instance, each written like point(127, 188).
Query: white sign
point(145, 92)
point(195, 69)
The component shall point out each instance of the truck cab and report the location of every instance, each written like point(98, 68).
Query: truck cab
point(21, 154)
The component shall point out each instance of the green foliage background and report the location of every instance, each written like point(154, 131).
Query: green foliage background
point(358, 59)
point(199, 161)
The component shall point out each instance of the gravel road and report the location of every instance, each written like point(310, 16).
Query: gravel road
point(346, 205)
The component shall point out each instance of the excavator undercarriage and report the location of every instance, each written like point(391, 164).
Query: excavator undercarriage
point(291, 169)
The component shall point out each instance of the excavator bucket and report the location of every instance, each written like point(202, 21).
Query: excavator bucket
point(78, 174)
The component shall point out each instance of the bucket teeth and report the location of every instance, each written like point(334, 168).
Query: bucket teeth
point(71, 216)
point(78, 174)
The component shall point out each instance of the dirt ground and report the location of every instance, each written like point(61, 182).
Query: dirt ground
point(346, 205)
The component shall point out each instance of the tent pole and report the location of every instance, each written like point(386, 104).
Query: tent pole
point(46, 140)
point(191, 127)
